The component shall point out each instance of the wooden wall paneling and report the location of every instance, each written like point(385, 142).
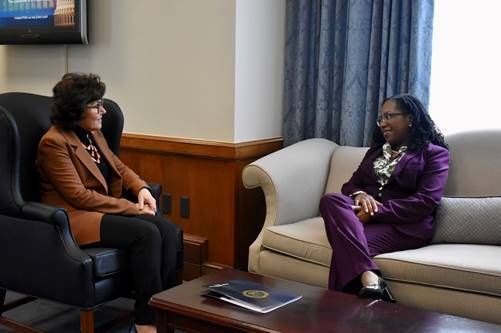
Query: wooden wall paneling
point(209, 174)
point(207, 184)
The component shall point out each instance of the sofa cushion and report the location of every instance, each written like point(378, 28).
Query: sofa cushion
point(471, 268)
point(468, 220)
point(475, 163)
point(344, 162)
point(304, 240)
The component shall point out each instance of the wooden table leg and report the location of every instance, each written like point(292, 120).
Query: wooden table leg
point(163, 322)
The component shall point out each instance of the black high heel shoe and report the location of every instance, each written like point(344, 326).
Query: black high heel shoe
point(132, 328)
point(377, 290)
point(387, 296)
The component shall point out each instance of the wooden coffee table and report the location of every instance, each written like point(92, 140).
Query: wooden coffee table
point(319, 310)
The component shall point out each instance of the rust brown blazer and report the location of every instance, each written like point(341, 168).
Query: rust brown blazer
point(70, 179)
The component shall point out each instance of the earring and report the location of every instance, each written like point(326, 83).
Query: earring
point(410, 124)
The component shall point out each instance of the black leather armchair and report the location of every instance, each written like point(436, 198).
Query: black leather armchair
point(38, 255)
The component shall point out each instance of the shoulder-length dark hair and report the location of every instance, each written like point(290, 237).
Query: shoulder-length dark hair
point(423, 130)
point(71, 95)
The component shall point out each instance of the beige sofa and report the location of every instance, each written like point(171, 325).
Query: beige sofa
point(460, 279)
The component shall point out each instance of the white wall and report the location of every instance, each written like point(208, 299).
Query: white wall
point(171, 65)
point(259, 68)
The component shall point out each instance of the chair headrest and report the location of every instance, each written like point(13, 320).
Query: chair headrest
point(31, 115)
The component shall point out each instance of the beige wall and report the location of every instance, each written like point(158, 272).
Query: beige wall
point(30, 68)
point(170, 64)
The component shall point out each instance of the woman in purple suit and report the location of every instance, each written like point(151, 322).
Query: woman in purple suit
point(389, 202)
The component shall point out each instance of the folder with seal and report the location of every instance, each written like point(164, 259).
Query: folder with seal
point(250, 295)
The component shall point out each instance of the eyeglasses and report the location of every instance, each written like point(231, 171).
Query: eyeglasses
point(387, 117)
point(96, 105)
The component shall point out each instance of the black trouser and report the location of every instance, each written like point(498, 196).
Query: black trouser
point(151, 244)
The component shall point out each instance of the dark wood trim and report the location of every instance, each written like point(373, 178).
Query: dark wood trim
point(195, 255)
point(200, 148)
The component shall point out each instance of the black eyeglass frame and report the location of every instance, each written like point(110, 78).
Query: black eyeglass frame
point(96, 105)
point(388, 116)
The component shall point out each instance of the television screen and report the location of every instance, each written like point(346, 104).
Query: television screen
point(43, 21)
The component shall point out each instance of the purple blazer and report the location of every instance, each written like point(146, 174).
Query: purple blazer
point(412, 193)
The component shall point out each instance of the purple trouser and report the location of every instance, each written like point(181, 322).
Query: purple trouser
point(354, 243)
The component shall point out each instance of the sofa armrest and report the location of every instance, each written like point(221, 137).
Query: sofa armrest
point(293, 180)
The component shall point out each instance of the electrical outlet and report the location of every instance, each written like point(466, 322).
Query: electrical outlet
point(166, 203)
point(185, 207)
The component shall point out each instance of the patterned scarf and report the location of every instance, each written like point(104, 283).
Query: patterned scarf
point(94, 153)
point(384, 165)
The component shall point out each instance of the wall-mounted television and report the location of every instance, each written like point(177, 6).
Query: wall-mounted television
point(43, 22)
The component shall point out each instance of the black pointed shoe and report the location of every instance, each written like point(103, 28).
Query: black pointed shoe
point(132, 328)
point(387, 296)
point(377, 290)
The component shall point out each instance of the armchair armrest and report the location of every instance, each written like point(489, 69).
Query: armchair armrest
point(39, 212)
point(42, 259)
point(155, 189)
point(43, 213)
point(156, 192)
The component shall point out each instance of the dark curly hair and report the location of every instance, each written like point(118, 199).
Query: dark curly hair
point(423, 130)
point(71, 95)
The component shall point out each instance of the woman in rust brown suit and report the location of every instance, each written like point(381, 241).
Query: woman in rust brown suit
point(81, 174)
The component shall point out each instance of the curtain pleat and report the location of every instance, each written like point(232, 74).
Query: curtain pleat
point(344, 57)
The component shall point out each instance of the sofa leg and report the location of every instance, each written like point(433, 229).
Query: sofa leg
point(87, 321)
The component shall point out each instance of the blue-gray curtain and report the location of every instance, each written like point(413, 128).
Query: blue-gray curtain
point(343, 57)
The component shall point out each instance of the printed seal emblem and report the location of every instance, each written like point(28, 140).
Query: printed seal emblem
point(252, 293)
